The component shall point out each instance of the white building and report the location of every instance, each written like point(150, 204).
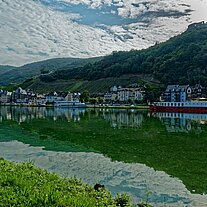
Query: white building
point(124, 94)
point(5, 96)
point(133, 94)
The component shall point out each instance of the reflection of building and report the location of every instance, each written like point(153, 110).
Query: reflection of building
point(182, 122)
point(22, 114)
point(121, 118)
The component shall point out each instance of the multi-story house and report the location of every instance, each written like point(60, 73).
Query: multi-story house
point(112, 95)
point(124, 94)
point(198, 92)
point(5, 96)
point(108, 97)
point(119, 94)
point(130, 94)
point(69, 97)
point(76, 96)
point(54, 96)
point(61, 96)
point(40, 99)
point(19, 96)
point(177, 93)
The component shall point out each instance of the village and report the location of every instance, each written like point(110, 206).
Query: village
point(121, 95)
point(115, 96)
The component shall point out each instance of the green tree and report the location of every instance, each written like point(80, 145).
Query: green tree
point(93, 101)
point(84, 97)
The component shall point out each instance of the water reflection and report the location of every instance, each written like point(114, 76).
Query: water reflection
point(26, 114)
point(134, 179)
point(123, 118)
point(182, 122)
point(116, 118)
point(112, 147)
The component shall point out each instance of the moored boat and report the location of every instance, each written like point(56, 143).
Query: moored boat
point(183, 107)
point(69, 104)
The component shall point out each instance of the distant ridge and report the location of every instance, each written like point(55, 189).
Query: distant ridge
point(11, 74)
point(5, 68)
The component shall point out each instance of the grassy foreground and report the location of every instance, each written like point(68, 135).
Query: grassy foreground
point(26, 185)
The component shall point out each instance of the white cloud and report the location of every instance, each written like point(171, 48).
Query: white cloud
point(30, 31)
point(134, 8)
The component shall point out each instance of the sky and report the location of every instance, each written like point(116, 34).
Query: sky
point(33, 30)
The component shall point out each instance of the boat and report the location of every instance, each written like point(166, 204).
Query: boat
point(182, 107)
point(69, 104)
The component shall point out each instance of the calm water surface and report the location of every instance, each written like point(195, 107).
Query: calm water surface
point(161, 158)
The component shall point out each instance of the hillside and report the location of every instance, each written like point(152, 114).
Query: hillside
point(5, 69)
point(93, 86)
point(182, 59)
point(19, 74)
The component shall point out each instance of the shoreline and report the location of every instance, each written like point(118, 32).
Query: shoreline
point(49, 189)
point(138, 107)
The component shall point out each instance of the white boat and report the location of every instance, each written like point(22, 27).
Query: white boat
point(69, 104)
point(185, 107)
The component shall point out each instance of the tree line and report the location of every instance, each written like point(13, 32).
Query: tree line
point(180, 60)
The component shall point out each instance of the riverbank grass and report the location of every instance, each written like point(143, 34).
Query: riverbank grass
point(23, 184)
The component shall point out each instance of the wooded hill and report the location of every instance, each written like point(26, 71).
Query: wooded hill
point(180, 60)
point(11, 74)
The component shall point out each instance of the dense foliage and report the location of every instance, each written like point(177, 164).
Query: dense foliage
point(18, 74)
point(182, 59)
point(27, 185)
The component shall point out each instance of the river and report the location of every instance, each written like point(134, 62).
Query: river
point(159, 158)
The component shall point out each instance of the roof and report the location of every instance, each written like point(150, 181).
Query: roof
point(59, 94)
point(20, 91)
point(171, 87)
point(176, 87)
